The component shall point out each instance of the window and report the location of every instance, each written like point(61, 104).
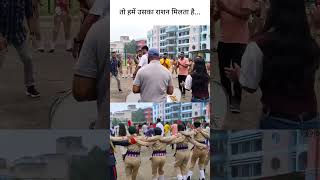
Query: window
point(234, 148)
point(303, 158)
point(257, 169)
point(246, 147)
point(245, 170)
point(293, 164)
point(257, 145)
point(275, 138)
point(196, 113)
point(275, 163)
point(234, 171)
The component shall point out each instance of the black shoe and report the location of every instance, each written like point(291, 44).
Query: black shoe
point(189, 178)
point(51, 50)
point(120, 90)
point(41, 50)
point(32, 92)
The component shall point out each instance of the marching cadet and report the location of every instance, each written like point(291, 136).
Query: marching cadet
point(132, 157)
point(182, 154)
point(159, 145)
point(200, 135)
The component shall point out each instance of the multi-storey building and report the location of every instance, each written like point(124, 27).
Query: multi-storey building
point(256, 154)
point(124, 115)
point(118, 46)
point(170, 112)
point(175, 39)
point(46, 166)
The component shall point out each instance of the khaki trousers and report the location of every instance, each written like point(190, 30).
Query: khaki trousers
point(157, 164)
point(132, 167)
point(181, 163)
point(206, 162)
point(200, 154)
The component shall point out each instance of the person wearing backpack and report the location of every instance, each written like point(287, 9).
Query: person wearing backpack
point(115, 65)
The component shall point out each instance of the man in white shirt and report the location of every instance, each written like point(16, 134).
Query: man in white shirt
point(159, 125)
point(143, 60)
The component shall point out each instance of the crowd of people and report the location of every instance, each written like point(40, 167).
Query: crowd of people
point(153, 75)
point(156, 137)
point(268, 44)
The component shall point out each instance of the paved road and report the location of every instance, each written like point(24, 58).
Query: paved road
point(145, 168)
point(53, 73)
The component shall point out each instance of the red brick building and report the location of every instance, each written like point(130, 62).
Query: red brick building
point(148, 114)
point(141, 42)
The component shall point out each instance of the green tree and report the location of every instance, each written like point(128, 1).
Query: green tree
point(131, 47)
point(115, 121)
point(138, 116)
point(93, 166)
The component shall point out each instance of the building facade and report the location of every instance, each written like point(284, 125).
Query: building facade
point(256, 154)
point(170, 112)
point(175, 39)
point(118, 46)
point(148, 114)
point(45, 166)
point(140, 43)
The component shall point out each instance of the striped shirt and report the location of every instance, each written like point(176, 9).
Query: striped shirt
point(12, 14)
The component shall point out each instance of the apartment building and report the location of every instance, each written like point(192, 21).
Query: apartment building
point(175, 39)
point(118, 46)
point(256, 154)
point(45, 166)
point(170, 112)
point(124, 115)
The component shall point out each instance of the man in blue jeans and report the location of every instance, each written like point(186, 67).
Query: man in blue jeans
point(13, 32)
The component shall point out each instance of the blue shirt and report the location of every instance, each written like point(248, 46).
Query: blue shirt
point(12, 14)
point(114, 66)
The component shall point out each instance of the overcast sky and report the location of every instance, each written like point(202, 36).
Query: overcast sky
point(15, 144)
point(134, 32)
point(123, 106)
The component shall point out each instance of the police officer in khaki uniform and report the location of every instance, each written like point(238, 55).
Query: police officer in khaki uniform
point(159, 145)
point(200, 135)
point(132, 157)
point(182, 151)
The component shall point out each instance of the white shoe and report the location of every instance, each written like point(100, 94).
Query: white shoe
point(161, 177)
point(189, 175)
point(179, 177)
point(202, 176)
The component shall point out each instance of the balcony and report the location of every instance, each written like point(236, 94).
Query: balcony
point(170, 37)
point(182, 28)
point(171, 29)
